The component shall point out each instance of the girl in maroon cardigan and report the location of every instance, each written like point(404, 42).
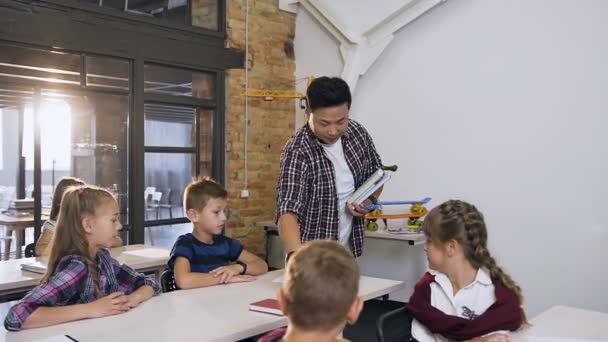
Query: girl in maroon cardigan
point(466, 296)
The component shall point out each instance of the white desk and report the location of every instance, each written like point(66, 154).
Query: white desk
point(565, 324)
point(411, 239)
point(216, 313)
point(16, 224)
point(385, 255)
point(140, 257)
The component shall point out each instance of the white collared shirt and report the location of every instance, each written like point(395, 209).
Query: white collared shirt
point(469, 302)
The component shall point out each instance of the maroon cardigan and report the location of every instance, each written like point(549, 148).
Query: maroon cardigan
point(505, 314)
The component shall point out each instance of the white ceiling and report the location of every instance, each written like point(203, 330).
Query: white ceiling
point(358, 16)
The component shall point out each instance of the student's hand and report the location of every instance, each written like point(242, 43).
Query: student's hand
point(242, 278)
point(494, 338)
point(225, 273)
point(358, 209)
point(109, 305)
point(133, 300)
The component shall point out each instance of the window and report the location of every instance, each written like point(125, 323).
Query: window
point(179, 82)
point(199, 13)
point(55, 131)
point(1, 142)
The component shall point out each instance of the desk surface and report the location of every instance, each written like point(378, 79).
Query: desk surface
point(413, 239)
point(215, 313)
point(26, 220)
point(565, 324)
point(140, 257)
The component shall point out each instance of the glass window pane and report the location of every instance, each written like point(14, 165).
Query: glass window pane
point(165, 185)
point(204, 14)
point(165, 236)
point(85, 137)
point(19, 63)
point(179, 82)
point(171, 10)
point(169, 125)
point(206, 136)
point(116, 4)
point(108, 73)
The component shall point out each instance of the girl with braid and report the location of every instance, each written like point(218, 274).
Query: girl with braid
point(82, 279)
point(466, 295)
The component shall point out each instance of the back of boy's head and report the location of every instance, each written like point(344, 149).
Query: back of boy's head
point(200, 191)
point(321, 284)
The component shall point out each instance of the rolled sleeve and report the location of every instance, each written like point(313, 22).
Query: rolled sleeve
point(56, 291)
point(291, 189)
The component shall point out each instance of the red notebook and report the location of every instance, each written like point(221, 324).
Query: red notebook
point(270, 306)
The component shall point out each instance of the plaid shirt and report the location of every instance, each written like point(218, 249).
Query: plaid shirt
point(307, 182)
point(72, 284)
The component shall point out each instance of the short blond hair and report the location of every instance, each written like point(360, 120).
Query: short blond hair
point(321, 284)
point(200, 191)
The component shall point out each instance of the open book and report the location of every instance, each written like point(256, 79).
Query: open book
point(270, 306)
point(36, 267)
point(373, 183)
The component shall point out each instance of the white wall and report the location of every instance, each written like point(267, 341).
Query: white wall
point(317, 54)
point(503, 103)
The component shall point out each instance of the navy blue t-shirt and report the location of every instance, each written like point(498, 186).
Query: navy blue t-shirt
point(204, 257)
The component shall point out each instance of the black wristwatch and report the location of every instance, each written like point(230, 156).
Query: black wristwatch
point(239, 262)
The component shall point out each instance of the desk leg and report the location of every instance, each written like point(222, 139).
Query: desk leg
point(7, 243)
point(19, 237)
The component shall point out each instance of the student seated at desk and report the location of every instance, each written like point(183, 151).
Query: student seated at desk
point(48, 228)
point(205, 257)
point(319, 293)
point(466, 296)
point(82, 279)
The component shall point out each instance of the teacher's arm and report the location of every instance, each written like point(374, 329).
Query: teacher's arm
point(289, 231)
point(292, 194)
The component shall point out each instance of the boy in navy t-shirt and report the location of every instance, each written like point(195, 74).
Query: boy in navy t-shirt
point(205, 257)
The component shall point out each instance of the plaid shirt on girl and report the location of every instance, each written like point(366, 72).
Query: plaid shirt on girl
point(72, 284)
point(307, 182)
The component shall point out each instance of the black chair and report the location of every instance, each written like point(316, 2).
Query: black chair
point(167, 281)
point(30, 250)
point(395, 325)
point(172, 199)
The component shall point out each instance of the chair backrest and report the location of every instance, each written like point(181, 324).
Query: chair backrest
point(395, 325)
point(175, 198)
point(148, 192)
point(156, 197)
point(30, 250)
point(167, 281)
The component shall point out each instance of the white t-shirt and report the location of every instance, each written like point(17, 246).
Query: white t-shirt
point(470, 301)
point(345, 187)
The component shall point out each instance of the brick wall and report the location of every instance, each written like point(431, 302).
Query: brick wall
point(271, 34)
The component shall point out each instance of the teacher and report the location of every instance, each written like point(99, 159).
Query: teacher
point(321, 167)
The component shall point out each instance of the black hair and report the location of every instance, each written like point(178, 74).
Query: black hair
point(328, 92)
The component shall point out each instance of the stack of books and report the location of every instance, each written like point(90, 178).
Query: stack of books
point(370, 186)
point(21, 206)
point(36, 267)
